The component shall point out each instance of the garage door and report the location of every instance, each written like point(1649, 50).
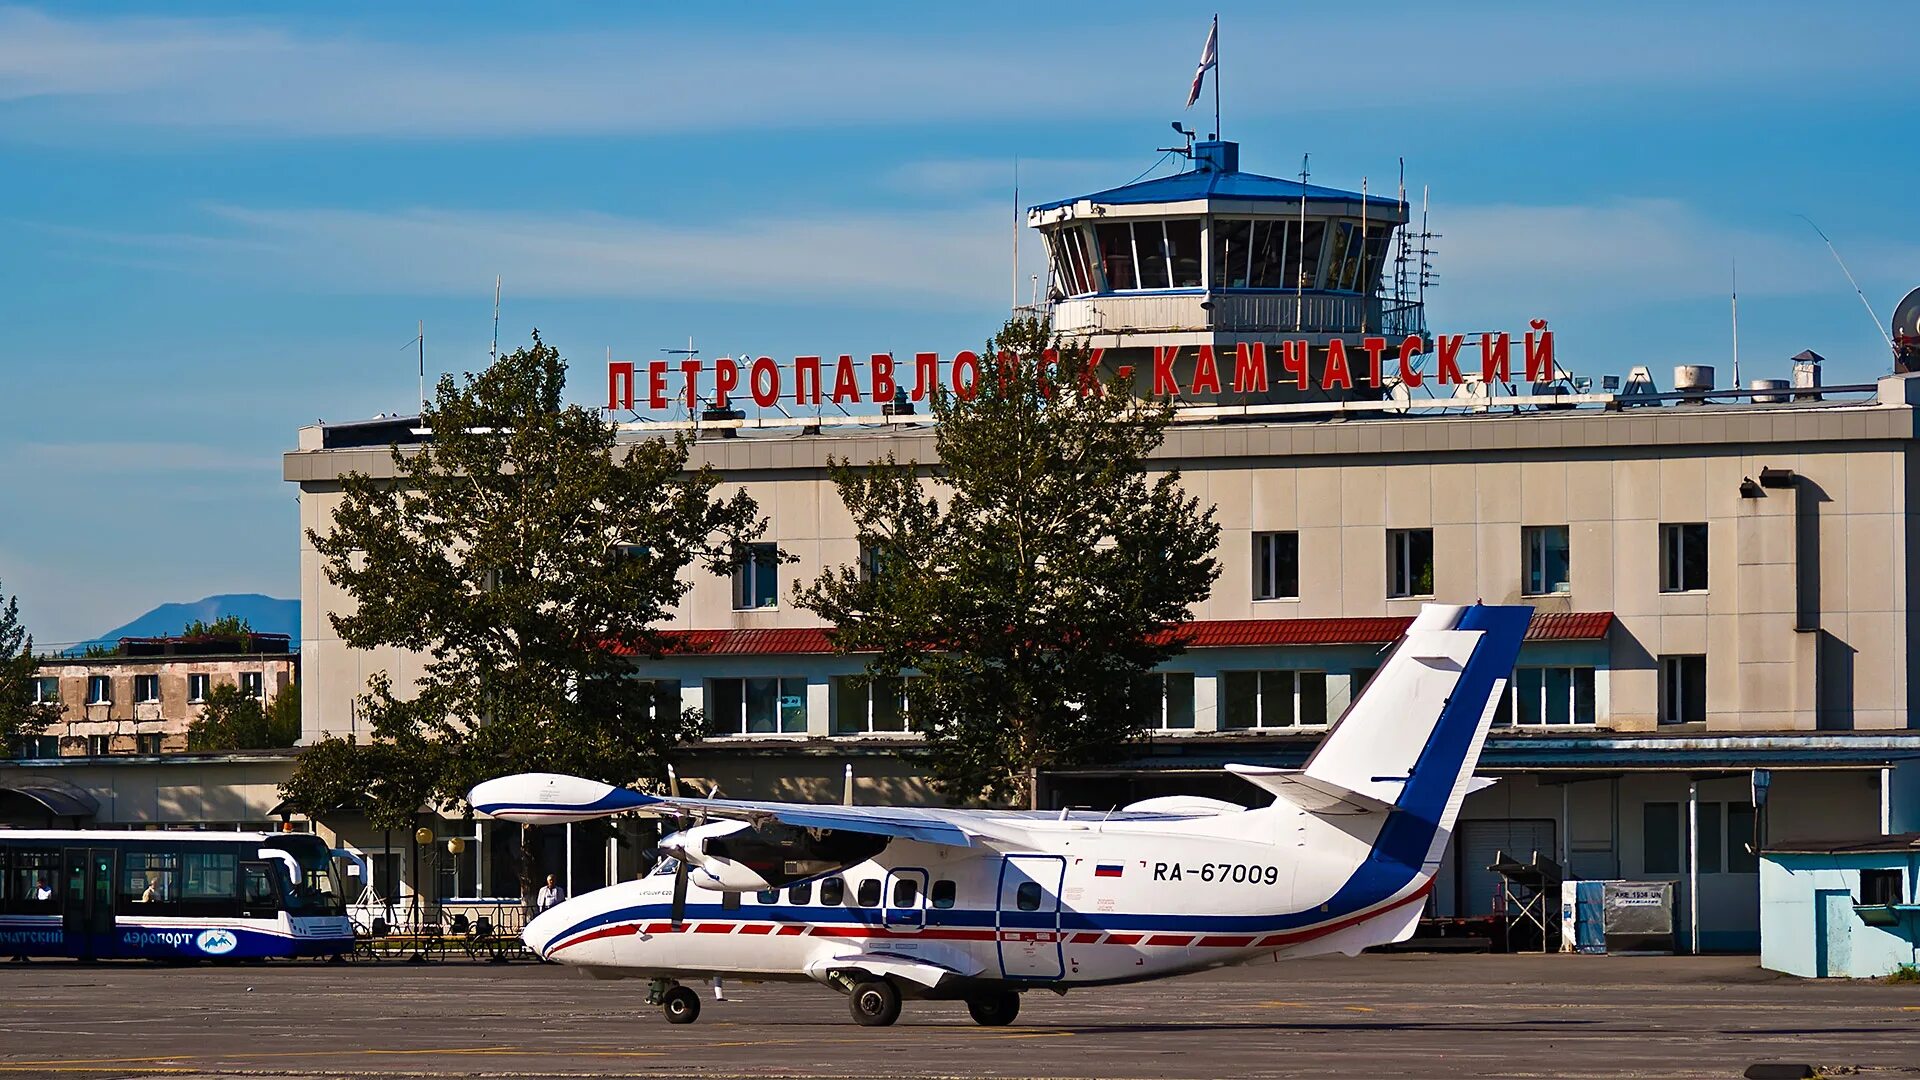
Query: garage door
point(1477, 843)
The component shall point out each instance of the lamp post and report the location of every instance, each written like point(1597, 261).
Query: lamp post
point(422, 837)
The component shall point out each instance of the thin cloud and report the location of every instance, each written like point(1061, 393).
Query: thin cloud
point(77, 78)
point(880, 260)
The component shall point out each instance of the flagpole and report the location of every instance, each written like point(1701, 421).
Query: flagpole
point(1216, 76)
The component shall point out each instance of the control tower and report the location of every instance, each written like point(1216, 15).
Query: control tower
point(1215, 256)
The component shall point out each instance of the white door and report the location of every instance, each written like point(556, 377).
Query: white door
point(1029, 916)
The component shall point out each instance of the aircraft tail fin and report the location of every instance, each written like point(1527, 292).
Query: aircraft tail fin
point(1412, 737)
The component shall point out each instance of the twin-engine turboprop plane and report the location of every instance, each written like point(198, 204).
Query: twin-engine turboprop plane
point(883, 903)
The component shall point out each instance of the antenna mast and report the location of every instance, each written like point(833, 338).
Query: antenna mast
point(422, 339)
point(1300, 274)
point(494, 351)
point(1013, 275)
point(1736, 324)
point(1856, 285)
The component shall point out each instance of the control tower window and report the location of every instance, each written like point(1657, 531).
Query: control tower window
point(1183, 252)
point(1071, 263)
point(1116, 255)
point(1231, 237)
point(1305, 265)
point(1150, 244)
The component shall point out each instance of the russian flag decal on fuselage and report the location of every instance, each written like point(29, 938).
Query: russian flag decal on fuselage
point(1107, 870)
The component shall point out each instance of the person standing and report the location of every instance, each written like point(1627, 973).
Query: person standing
point(550, 895)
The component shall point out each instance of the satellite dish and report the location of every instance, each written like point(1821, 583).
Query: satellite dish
point(1906, 333)
point(1472, 394)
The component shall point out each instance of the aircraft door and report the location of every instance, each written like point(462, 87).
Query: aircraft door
point(904, 906)
point(87, 903)
point(1029, 916)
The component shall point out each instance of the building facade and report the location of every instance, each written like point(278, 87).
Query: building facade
point(139, 698)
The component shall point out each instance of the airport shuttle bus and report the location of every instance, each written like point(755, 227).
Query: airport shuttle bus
point(169, 895)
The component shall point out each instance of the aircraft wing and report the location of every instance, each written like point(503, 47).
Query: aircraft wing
point(1312, 794)
point(554, 798)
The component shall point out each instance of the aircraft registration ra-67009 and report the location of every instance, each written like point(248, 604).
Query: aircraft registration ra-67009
point(883, 903)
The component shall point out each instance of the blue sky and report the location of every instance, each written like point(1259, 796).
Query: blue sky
point(221, 221)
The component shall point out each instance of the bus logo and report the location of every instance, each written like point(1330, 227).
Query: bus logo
point(216, 942)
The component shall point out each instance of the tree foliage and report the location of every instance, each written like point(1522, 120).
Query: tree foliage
point(528, 557)
point(232, 719)
point(1032, 578)
point(387, 779)
point(19, 713)
point(226, 626)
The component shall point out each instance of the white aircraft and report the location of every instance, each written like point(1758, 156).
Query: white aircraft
point(883, 903)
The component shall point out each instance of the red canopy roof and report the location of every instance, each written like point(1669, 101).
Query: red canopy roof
point(1203, 634)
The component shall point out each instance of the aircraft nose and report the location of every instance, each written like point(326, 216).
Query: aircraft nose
point(540, 933)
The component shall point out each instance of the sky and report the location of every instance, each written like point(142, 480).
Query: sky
point(220, 222)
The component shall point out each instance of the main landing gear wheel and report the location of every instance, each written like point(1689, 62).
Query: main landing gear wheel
point(874, 1003)
point(681, 1005)
point(994, 1009)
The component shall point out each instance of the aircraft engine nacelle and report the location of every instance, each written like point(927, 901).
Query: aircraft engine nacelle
point(739, 856)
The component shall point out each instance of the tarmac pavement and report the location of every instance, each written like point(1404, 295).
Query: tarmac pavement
point(1406, 1015)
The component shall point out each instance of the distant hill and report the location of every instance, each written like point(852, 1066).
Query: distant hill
point(264, 613)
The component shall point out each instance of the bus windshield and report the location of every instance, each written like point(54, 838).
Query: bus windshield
point(318, 891)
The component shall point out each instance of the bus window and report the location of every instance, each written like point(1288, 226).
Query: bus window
point(318, 892)
point(259, 891)
point(32, 882)
point(148, 879)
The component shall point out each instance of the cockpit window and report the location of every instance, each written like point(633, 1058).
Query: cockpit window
point(869, 893)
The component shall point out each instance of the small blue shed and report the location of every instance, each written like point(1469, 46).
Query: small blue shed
point(1840, 909)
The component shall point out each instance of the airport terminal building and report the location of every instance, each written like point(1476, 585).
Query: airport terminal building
point(1723, 605)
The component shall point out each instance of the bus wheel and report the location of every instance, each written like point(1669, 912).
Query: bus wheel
point(995, 1008)
point(874, 1003)
point(681, 1005)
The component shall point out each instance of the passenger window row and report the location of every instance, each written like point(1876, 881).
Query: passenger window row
point(833, 893)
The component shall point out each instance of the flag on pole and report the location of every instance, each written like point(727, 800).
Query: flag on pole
point(1207, 58)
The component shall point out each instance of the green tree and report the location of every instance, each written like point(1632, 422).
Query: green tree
point(232, 719)
point(528, 555)
point(1032, 578)
point(226, 626)
point(20, 714)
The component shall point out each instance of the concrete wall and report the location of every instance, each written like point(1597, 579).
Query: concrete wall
point(225, 790)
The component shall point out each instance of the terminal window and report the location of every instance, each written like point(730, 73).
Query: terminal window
point(1683, 557)
point(97, 745)
point(250, 683)
point(1273, 699)
point(30, 747)
point(763, 706)
point(1166, 700)
point(1409, 562)
point(1882, 886)
point(46, 690)
point(1547, 559)
point(1276, 566)
point(1549, 695)
point(146, 688)
point(756, 578)
point(1683, 689)
point(99, 690)
point(868, 703)
point(197, 685)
